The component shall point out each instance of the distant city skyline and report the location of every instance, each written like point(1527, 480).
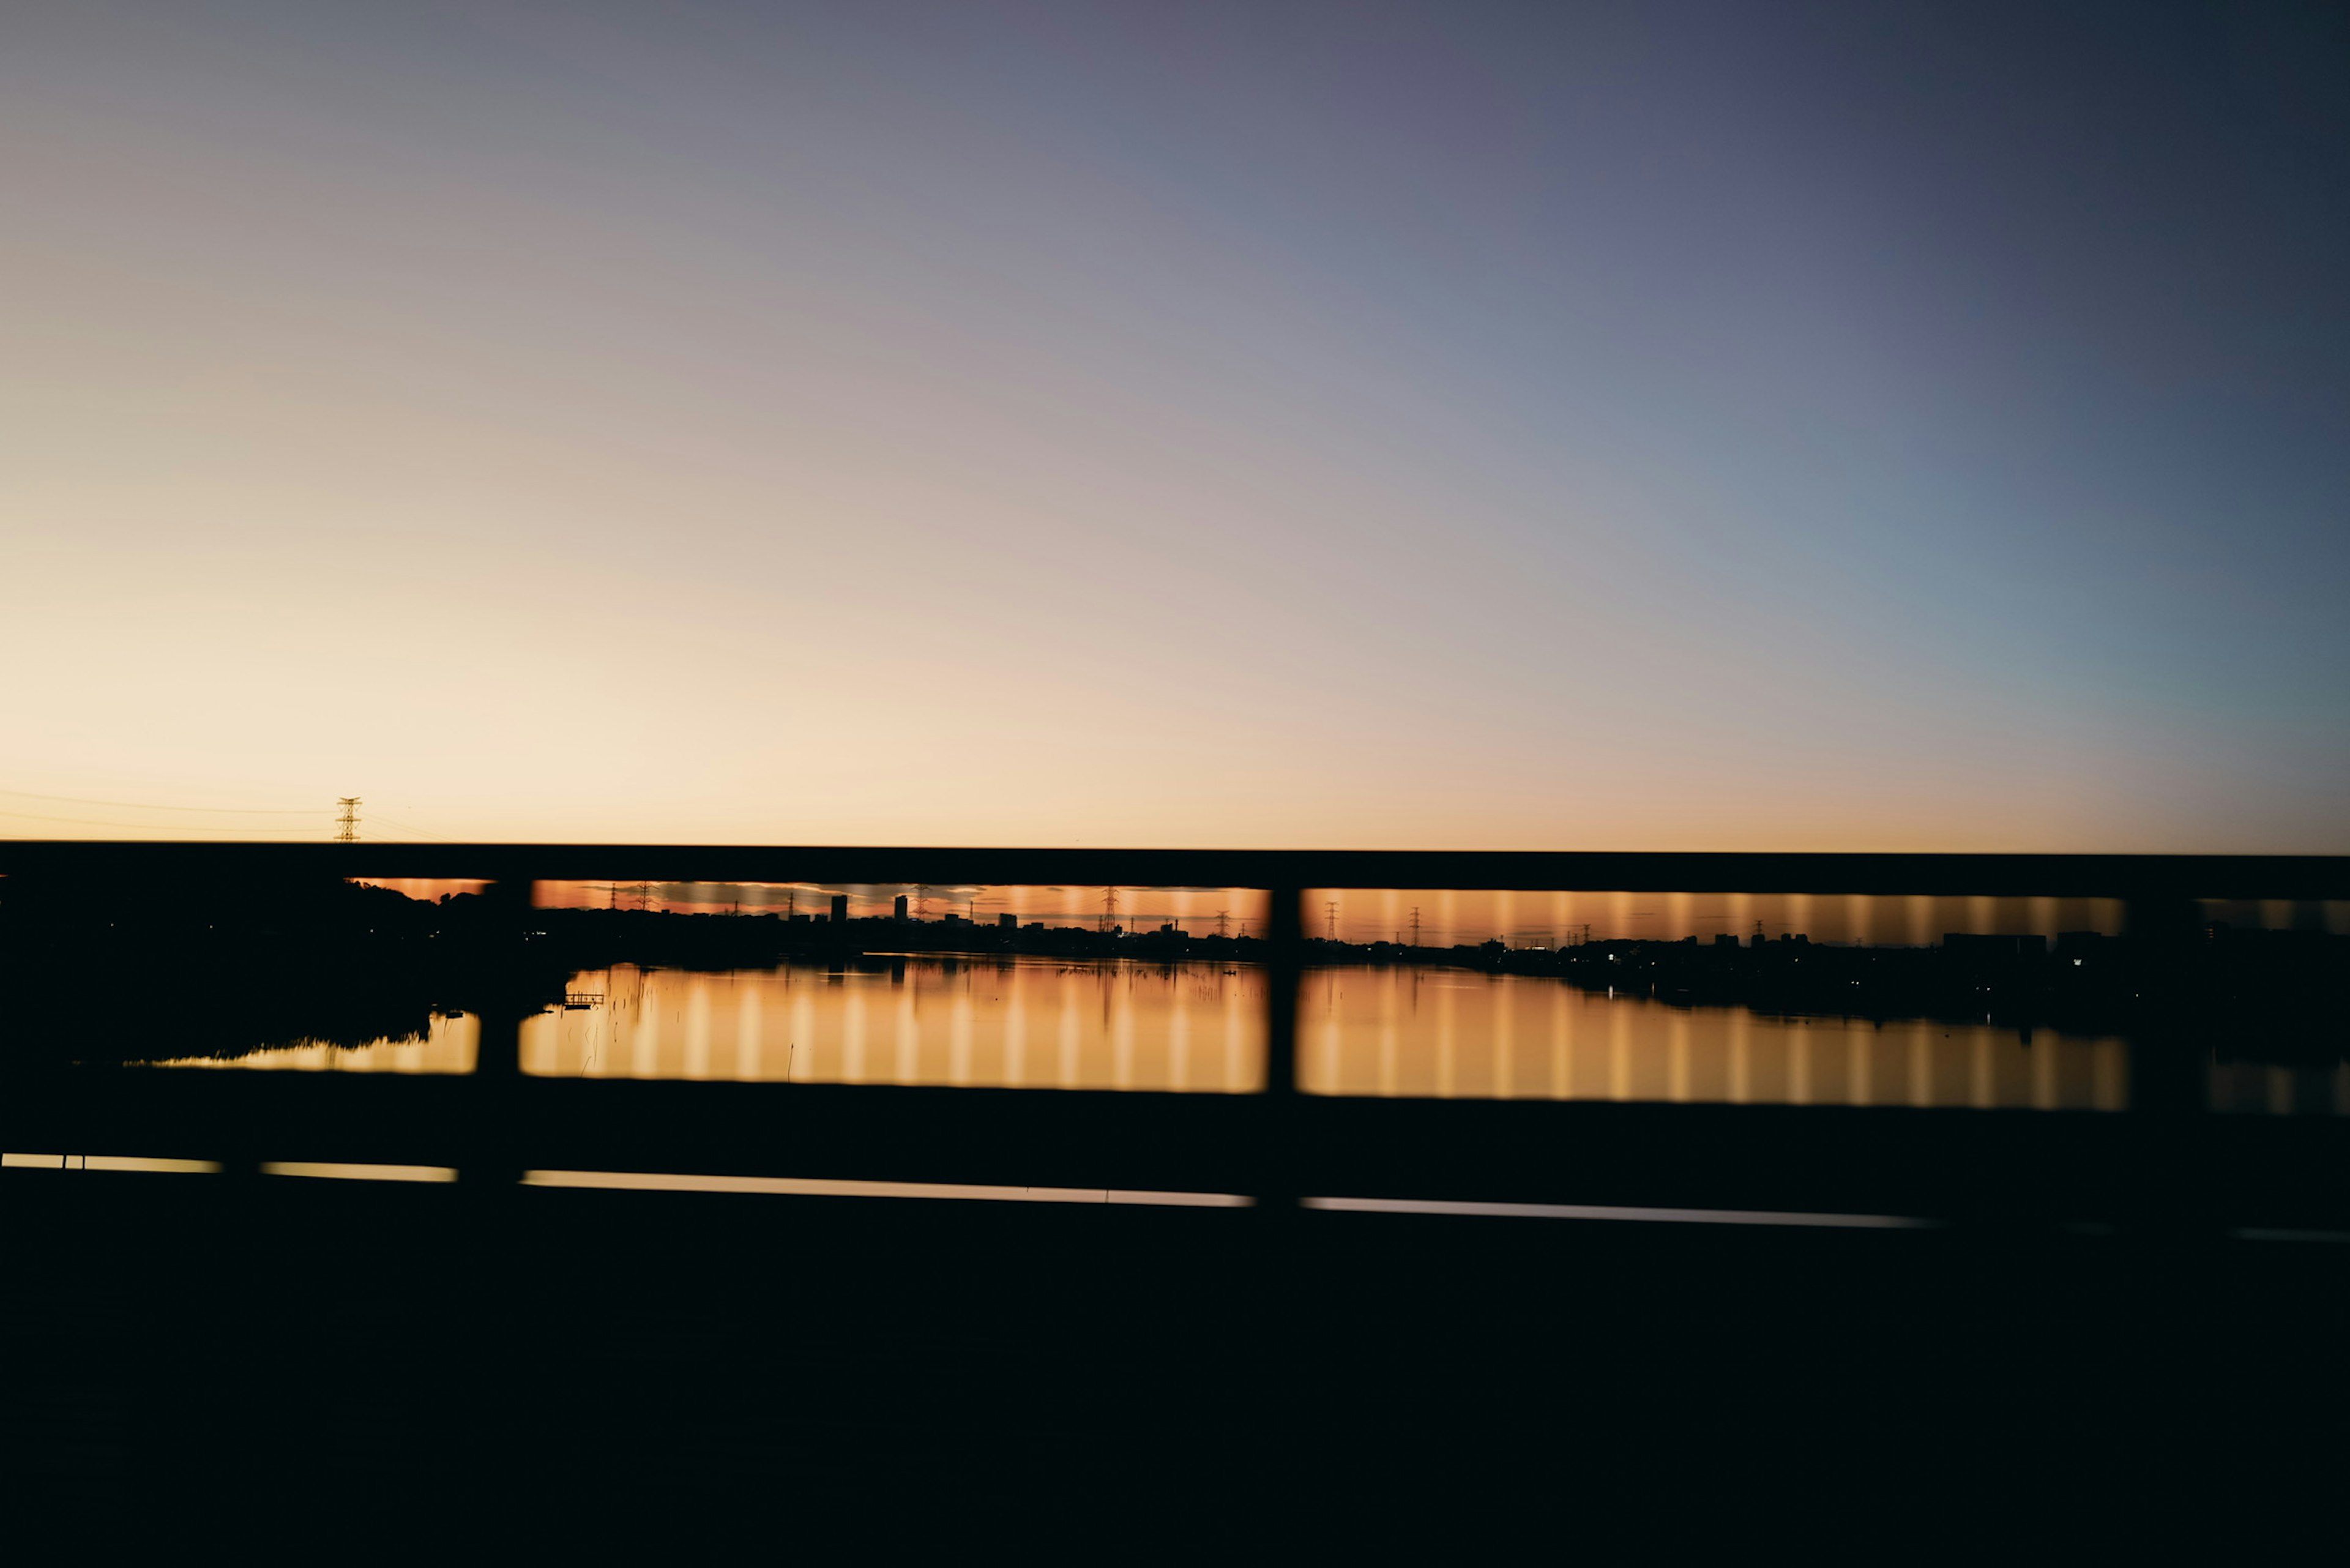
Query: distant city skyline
point(1444, 915)
point(1680, 426)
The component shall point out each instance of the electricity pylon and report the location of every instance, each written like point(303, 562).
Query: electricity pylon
point(346, 826)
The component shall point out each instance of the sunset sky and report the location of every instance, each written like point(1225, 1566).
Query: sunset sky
point(1546, 426)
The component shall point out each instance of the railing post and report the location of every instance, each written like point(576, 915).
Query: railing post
point(1284, 944)
point(2171, 1088)
point(504, 1003)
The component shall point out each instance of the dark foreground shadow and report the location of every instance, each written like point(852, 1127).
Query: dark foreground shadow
point(241, 1364)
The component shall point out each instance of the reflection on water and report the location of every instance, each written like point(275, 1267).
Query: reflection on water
point(449, 1046)
point(1008, 1022)
point(2263, 1088)
point(1399, 1032)
point(1039, 1023)
point(1455, 1032)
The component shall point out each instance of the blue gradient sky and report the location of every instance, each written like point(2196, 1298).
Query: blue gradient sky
point(1667, 426)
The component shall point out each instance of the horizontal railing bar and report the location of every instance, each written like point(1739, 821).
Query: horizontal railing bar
point(2052, 1165)
point(2126, 876)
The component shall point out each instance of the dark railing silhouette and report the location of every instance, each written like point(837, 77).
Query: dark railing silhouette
point(2164, 1164)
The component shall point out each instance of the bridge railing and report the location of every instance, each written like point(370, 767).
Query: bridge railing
point(2161, 1165)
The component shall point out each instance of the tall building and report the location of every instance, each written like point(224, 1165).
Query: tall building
point(897, 910)
point(839, 907)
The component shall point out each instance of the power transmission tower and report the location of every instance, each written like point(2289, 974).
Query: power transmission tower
point(346, 826)
point(1223, 921)
point(1330, 918)
point(921, 901)
point(1110, 909)
point(1415, 925)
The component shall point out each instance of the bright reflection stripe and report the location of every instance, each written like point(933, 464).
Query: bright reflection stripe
point(360, 1172)
point(110, 1162)
point(808, 1187)
point(1599, 1211)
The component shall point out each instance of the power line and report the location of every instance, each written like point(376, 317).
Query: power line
point(419, 833)
point(149, 827)
point(136, 805)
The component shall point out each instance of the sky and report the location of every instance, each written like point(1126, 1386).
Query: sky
point(1845, 427)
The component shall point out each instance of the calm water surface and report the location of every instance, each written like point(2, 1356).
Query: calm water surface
point(1039, 1023)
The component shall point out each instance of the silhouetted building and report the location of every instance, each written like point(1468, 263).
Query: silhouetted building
point(897, 910)
point(2079, 945)
point(1968, 945)
point(1008, 922)
point(1726, 940)
point(839, 907)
